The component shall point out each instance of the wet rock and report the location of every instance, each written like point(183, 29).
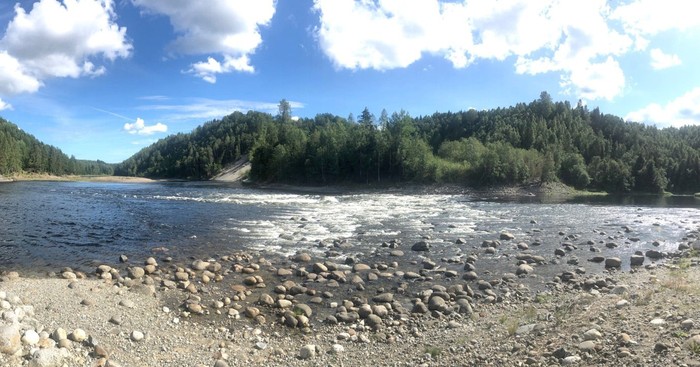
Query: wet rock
point(383, 298)
point(470, 275)
point(636, 260)
point(613, 262)
point(654, 254)
point(420, 246)
point(524, 269)
point(302, 258)
point(506, 236)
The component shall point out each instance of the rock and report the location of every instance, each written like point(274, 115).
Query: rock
point(182, 276)
point(586, 346)
point(195, 308)
point(464, 307)
point(59, 334)
point(470, 275)
point(123, 258)
point(283, 303)
point(10, 341)
point(136, 272)
point(302, 309)
point(220, 363)
point(199, 265)
point(657, 322)
point(78, 335)
point(127, 303)
point(357, 268)
point(337, 349)
point(592, 334)
point(302, 258)
point(571, 360)
point(30, 337)
point(373, 321)
point(137, 335)
point(266, 299)
point(524, 269)
point(419, 308)
point(383, 298)
point(51, 357)
point(622, 303)
point(687, 324)
point(437, 303)
point(613, 262)
point(654, 254)
point(307, 352)
point(636, 260)
point(421, 246)
point(506, 236)
point(460, 241)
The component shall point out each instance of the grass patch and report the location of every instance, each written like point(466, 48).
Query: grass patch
point(433, 351)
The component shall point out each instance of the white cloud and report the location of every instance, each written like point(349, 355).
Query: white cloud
point(139, 127)
point(581, 40)
point(228, 28)
point(661, 60)
point(58, 39)
point(684, 110)
point(4, 105)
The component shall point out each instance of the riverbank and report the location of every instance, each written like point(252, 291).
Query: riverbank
point(399, 307)
point(75, 178)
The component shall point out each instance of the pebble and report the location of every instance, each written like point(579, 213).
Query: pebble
point(337, 349)
point(78, 335)
point(137, 335)
point(30, 337)
point(571, 360)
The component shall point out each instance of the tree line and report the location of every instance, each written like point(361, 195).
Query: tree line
point(540, 141)
point(22, 152)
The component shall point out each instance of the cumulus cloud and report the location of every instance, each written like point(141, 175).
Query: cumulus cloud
point(58, 39)
point(661, 60)
point(684, 110)
point(140, 128)
point(227, 28)
point(580, 40)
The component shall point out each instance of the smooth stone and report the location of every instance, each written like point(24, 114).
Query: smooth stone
point(337, 349)
point(421, 246)
point(137, 335)
point(657, 322)
point(571, 360)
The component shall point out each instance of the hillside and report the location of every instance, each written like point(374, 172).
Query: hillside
point(542, 141)
point(22, 152)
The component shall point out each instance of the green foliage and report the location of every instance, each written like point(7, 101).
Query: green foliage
point(22, 152)
point(542, 141)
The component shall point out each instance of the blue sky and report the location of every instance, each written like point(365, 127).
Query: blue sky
point(101, 79)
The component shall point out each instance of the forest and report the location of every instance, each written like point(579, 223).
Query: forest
point(22, 152)
point(540, 141)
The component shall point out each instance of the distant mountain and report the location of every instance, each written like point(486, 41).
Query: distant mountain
point(22, 152)
point(541, 141)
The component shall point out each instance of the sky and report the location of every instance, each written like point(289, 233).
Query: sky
point(102, 79)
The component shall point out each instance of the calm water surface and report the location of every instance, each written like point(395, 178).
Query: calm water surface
point(48, 225)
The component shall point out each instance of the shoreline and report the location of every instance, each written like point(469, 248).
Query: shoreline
point(242, 309)
point(29, 177)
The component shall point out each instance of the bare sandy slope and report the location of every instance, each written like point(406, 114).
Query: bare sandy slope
point(235, 172)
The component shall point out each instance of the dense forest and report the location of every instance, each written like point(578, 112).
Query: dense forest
point(21, 152)
point(542, 141)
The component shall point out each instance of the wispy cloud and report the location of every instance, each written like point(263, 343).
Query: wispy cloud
point(208, 109)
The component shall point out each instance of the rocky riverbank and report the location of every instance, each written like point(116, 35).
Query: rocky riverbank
point(399, 307)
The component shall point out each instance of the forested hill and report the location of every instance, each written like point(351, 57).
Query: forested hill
point(537, 142)
point(22, 152)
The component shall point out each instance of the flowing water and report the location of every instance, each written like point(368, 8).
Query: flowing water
point(48, 225)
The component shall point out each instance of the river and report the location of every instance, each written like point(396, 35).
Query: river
point(48, 225)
